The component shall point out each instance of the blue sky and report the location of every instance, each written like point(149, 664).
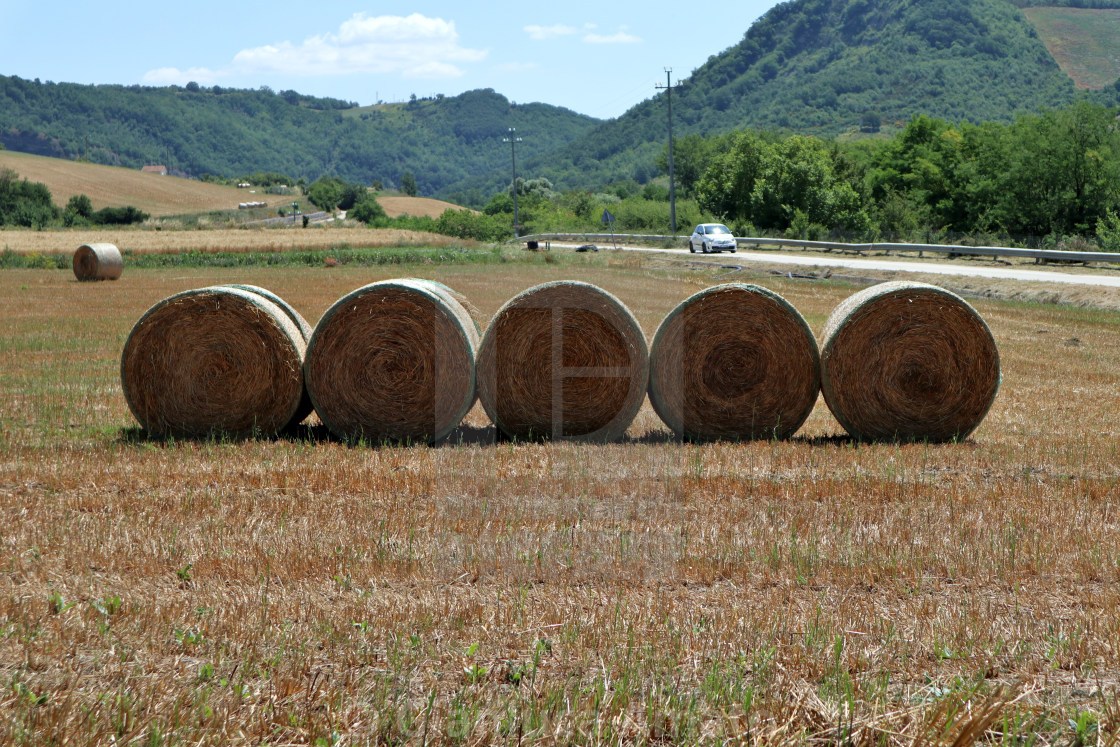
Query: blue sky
point(593, 57)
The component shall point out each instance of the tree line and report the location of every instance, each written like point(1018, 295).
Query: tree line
point(1051, 178)
point(1051, 174)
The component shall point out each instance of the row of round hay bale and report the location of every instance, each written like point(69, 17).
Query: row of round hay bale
point(402, 360)
point(98, 262)
point(563, 360)
point(214, 361)
point(393, 360)
point(908, 361)
point(734, 361)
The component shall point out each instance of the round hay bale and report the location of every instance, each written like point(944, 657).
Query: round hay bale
point(563, 360)
point(213, 361)
point(98, 262)
point(473, 313)
point(305, 329)
point(393, 360)
point(908, 361)
point(734, 361)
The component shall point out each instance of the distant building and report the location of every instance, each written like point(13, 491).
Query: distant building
point(161, 170)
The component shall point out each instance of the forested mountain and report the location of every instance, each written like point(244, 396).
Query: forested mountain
point(828, 67)
point(819, 67)
point(230, 132)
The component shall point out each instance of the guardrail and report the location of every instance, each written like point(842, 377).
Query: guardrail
point(1038, 255)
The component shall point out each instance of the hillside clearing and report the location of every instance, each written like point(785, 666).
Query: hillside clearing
point(1083, 41)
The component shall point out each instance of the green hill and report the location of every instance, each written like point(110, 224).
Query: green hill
point(231, 133)
point(823, 66)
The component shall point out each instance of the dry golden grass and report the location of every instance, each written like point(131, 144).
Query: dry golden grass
point(219, 240)
point(303, 591)
point(397, 205)
point(112, 186)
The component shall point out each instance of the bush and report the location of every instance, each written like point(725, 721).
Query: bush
point(466, 224)
point(24, 203)
point(80, 205)
point(368, 211)
point(119, 216)
point(1108, 232)
point(330, 192)
point(652, 216)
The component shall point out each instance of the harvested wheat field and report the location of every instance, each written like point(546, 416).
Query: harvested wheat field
point(397, 205)
point(114, 186)
point(141, 241)
point(303, 590)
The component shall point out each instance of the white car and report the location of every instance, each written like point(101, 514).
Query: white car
point(711, 237)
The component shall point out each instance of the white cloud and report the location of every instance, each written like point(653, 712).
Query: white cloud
point(622, 37)
point(590, 36)
point(541, 33)
point(414, 46)
point(173, 76)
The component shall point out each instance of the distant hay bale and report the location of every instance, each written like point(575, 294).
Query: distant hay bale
point(213, 361)
point(734, 362)
point(98, 262)
point(305, 329)
point(393, 360)
point(563, 360)
point(908, 361)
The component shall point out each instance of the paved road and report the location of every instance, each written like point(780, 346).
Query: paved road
point(931, 268)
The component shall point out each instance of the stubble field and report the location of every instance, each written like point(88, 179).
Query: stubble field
point(306, 591)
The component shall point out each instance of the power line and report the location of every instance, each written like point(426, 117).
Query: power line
point(668, 88)
point(513, 140)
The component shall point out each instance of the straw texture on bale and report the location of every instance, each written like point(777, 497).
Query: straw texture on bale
point(213, 361)
point(908, 361)
point(734, 361)
point(98, 262)
point(305, 330)
point(563, 360)
point(393, 360)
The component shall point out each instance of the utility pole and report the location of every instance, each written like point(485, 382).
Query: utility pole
point(513, 140)
point(672, 184)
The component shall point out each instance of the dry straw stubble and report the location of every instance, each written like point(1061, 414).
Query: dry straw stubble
point(734, 361)
point(98, 262)
point(393, 360)
point(908, 361)
point(564, 359)
point(213, 361)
